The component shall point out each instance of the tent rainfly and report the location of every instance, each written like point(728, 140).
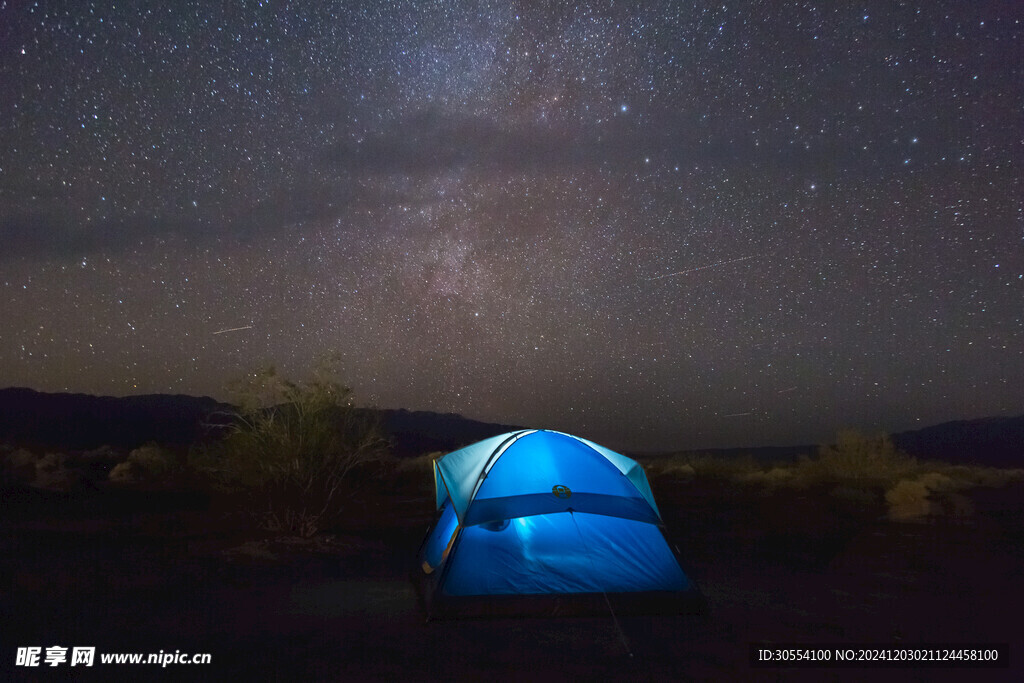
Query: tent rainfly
point(541, 522)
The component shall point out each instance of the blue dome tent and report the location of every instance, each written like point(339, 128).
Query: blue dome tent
point(536, 521)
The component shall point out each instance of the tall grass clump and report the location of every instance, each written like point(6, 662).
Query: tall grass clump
point(292, 448)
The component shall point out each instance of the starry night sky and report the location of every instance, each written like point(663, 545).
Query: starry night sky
point(652, 224)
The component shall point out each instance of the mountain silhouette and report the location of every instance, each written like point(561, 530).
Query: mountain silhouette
point(60, 421)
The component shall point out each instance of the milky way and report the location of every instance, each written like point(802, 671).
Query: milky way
point(652, 224)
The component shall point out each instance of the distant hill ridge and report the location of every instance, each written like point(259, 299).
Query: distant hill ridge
point(73, 422)
point(996, 441)
point(82, 421)
point(60, 421)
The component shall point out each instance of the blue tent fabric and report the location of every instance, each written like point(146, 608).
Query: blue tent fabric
point(458, 473)
point(631, 468)
point(439, 541)
point(548, 554)
point(542, 513)
point(523, 477)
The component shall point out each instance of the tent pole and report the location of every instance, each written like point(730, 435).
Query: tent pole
point(615, 619)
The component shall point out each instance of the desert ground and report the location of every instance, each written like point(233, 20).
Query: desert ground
point(131, 568)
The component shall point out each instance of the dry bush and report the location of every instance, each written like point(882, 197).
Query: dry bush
point(123, 473)
point(292, 448)
point(654, 466)
point(931, 493)
point(21, 458)
point(706, 466)
point(685, 472)
point(990, 477)
point(938, 482)
point(52, 472)
point(860, 474)
point(146, 463)
point(19, 467)
point(774, 477)
point(857, 458)
point(51, 462)
point(908, 500)
point(670, 466)
point(104, 455)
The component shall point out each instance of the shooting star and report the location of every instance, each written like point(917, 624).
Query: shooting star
point(738, 414)
point(710, 265)
point(234, 329)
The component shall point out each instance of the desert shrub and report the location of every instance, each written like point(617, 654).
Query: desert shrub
point(856, 457)
point(51, 462)
point(938, 482)
point(21, 457)
point(53, 472)
point(123, 473)
point(653, 466)
point(103, 455)
point(146, 463)
point(991, 477)
point(292, 447)
point(672, 467)
point(710, 467)
point(928, 494)
point(684, 471)
point(19, 467)
point(776, 476)
point(908, 500)
point(862, 476)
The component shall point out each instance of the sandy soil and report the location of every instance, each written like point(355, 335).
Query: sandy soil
point(130, 571)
